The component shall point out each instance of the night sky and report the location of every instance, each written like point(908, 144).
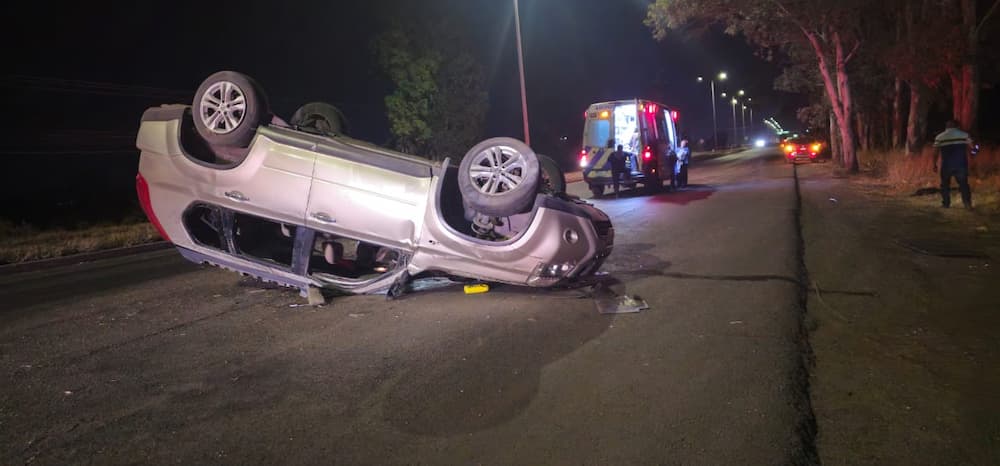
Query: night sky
point(78, 81)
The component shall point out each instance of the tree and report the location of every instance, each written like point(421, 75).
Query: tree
point(439, 102)
point(965, 79)
point(920, 53)
point(828, 28)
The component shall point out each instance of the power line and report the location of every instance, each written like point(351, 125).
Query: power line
point(91, 87)
point(69, 152)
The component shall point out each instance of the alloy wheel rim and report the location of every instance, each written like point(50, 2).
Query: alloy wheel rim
point(497, 170)
point(223, 107)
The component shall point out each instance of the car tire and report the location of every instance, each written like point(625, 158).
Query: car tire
point(319, 116)
point(499, 177)
point(654, 185)
point(597, 190)
point(553, 180)
point(228, 107)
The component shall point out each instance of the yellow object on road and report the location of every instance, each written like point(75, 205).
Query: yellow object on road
point(477, 288)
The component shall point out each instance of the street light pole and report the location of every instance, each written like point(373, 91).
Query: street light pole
point(734, 122)
point(715, 127)
point(743, 116)
point(520, 67)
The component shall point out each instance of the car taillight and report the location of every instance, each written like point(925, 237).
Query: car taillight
point(816, 147)
point(789, 148)
point(583, 158)
point(142, 190)
point(674, 115)
point(648, 153)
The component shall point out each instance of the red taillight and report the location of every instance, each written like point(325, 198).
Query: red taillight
point(675, 115)
point(648, 153)
point(142, 190)
point(651, 108)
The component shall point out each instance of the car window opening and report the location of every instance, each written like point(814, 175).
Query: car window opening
point(342, 257)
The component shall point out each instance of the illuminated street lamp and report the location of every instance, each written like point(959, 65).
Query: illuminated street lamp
point(715, 129)
point(520, 67)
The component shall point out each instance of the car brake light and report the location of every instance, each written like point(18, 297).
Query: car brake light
point(142, 190)
point(674, 115)
point(647, 154)
point(651, 108)
point(583, 161)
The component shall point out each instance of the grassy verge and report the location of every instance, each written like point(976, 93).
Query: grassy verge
point(22, 243)
point(905, 174)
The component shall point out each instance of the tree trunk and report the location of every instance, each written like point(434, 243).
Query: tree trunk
point(839, 94)
point(967, 95)
point(897, 116)
point(835, 153)
point(844, 88)
point(862, 130)
point(916, 126)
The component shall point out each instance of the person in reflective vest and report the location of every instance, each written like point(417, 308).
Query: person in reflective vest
point(953, 144)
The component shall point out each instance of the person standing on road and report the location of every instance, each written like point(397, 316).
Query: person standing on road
point(618, 169)
point(683, 159)
point(953, 143)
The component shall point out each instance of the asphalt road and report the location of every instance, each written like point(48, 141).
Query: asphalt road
point(149, 359)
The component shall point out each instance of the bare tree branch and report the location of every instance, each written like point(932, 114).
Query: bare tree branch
point(993, 8)
point(850, 55)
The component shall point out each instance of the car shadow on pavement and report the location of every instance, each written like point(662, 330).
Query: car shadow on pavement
point(687, 195)
point(487, 369)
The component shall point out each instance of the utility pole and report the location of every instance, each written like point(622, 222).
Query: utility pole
point(520, 67)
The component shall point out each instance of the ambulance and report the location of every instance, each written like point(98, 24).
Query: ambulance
point(639, 126)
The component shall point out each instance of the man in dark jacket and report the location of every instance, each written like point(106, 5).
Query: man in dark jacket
point(953, 144)
point(618, 169)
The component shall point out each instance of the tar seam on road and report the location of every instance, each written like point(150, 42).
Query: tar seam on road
point(806, 428)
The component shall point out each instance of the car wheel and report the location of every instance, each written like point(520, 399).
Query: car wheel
point(553, 180)
point(597, 190)
point(319, 116)
point(228, 108)
point(499, 177)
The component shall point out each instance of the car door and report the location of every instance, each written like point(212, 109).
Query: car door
point(368, 194)
point(273, 182)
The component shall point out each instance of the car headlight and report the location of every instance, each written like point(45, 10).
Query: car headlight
point(551, 271)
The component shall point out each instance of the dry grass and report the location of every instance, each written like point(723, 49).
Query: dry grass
point(905, 174)
point(21, 243)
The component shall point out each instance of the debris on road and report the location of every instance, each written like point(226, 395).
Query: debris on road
point(620, 304)
point(477, 288)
